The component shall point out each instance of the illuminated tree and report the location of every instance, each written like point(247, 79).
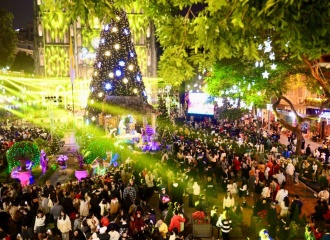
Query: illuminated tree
point(116, 70)
point(20, 153)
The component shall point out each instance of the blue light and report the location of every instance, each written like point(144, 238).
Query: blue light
point(108, 86)
point(132, 54)
point(92, 89)
point(121, 63)
point(106, 28)
point(126, 31)
point(144, 93)
point(138, 78)
point(118, 73)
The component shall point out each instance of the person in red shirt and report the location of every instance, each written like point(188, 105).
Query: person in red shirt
point(136, 224)
point(236, 165)
point(175, 221)
point(105, 219)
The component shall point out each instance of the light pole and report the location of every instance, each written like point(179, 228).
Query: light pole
point(51, 101)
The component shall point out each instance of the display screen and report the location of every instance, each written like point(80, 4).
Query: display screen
point(200, 103)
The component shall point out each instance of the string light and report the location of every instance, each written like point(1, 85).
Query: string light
point(107, 53)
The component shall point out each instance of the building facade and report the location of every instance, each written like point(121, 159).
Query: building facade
point(51, 50)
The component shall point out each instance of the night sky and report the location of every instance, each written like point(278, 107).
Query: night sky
point(22, 10)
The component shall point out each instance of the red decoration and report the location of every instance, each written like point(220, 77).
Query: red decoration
point(199, 217)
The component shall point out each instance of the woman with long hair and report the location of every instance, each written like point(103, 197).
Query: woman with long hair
point(228, 201)
point(285, 204)
point(64, 225)
point(40, 224)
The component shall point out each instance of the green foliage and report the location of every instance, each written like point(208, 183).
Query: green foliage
point(55, 145)
point(22, 151)
point(8, 39)
point(162, 116)
point(81, 156)
point(42, 144)
point(23, 62)
point(98, 148)
point(232, 114)
point(323, 182)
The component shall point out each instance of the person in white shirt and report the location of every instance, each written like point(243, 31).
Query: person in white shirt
point(314, 168)
point(64, 225)
point(114, 235)
point(281, 194)
point(40, 224)
point(196, 191)
point(228, 201)
point(323, 195)
point(290, 172)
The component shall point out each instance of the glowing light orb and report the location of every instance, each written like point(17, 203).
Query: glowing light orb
point(107, 86)
point(138, 77)
point(131, 67)
point(132, 54)
point(93, 118)
point(99, 64)
point(102, 40)
point(135, 90)
point(144, 93)
point(125, 80)
point(100, 94)
point(92, 101)
point(114, 29)
point(117, 18)
point(121, 63)
point(116, 46)
point(106, 27)
point(126, 31)
point(118, 73)
point(111, 75)
point(107, 53)
point(95, 74)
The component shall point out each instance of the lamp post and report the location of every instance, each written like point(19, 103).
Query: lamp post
point(51, 101)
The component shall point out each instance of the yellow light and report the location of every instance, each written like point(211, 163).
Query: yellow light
point(107, 53)
point(111, 75)
point(93, 118)
point(135, 90)
point(131, 67)
point(117, 46)
point(114, 29)
point(117, 18)
point(125, 80)
point(87, 112)
point(95, 74)
point(100, 94)
point(92, 101)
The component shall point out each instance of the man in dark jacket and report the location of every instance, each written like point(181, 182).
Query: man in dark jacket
point(67, 204)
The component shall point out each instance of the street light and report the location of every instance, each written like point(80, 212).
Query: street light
point(52, 100)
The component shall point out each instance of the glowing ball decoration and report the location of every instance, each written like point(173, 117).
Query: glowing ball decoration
point(125, 80)
point(107, 86)
point(121, 63)
point(21, 153)
point(118, 73)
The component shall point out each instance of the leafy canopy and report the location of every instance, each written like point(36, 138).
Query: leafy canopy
point(8, 39)
point(197, 33)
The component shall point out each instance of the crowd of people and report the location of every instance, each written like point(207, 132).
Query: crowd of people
point(199, 160)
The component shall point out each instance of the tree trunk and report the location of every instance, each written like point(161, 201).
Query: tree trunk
point(22, 165)
point(299, 138)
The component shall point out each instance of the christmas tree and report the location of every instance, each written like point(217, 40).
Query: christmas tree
point(116, 71)
point(163, 116)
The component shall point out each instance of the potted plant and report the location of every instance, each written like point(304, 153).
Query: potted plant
point(61, 161)
point(21, 157)
point(201, 225)
point(81, 156)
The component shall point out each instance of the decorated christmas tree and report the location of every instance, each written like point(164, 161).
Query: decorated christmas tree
point(162, 116)
point(116, 79)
